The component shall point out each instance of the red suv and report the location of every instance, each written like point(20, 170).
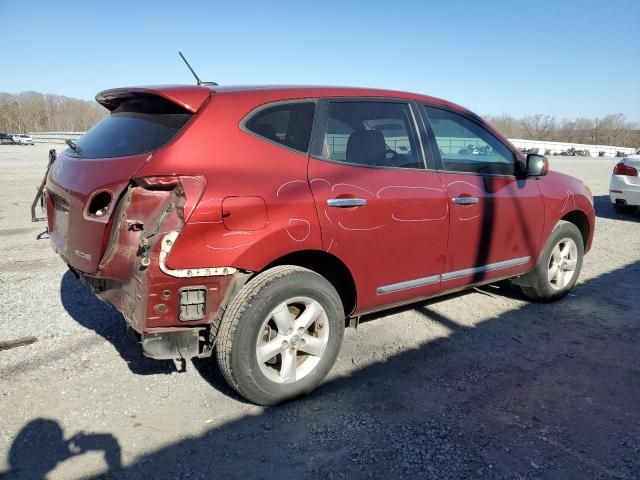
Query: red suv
point(252, 221)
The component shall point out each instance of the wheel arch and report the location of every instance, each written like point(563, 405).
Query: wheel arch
point(327, 265)
point(580, 220)
point(575, 217)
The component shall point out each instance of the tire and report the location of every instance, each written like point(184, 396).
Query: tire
point(546, 283)
point(624, 209)
point(249, 327)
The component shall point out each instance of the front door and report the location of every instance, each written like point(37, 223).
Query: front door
point(496, 218)
point(381, 211)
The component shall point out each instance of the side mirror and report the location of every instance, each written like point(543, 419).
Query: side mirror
point(537, 165)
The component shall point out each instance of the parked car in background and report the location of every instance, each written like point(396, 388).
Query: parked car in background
point(6, 139)
point(624, 189)
point(22, 139)
point(248, 222)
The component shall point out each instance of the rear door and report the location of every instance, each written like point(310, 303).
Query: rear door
point(496, 218)
point(382, 208)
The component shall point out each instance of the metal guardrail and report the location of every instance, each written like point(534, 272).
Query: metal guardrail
point(54, 137)
point(555, 148)
point(338, 144)
point(453, 145)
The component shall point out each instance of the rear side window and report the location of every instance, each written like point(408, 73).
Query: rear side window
point(373, 134)
point(137, 125)
point(287, 124)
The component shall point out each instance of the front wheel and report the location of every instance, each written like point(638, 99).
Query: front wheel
point(280, 335)
point(559, 265)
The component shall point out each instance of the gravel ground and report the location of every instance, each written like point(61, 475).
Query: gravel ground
point(476, 385)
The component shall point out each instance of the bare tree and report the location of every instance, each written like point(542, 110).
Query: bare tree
point(506, 124)
point(612, 129)
point(538, 127)
point(36, 112)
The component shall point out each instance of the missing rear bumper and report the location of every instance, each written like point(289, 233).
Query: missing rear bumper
point(183, 344)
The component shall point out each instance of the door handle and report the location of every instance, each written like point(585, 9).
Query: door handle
point(465, 200)
point(346, 202)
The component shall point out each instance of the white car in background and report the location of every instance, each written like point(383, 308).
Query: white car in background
point(624, 190)
point(23, 140)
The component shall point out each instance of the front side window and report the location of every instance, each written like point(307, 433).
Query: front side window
point(287, 124)
point(465, 146)
point(375, 134)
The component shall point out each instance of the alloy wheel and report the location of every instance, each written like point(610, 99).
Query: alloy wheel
point(292, 340)
point(562, 263)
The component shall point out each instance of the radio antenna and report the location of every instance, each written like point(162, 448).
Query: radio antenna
point(200, 82)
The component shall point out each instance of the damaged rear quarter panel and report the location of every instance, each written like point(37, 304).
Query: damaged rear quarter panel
point(210, 148)
point(147, 297)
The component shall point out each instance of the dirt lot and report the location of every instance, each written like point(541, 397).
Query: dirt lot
point(476, 385)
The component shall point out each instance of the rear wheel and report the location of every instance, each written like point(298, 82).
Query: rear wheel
point(559, 265)
point(624, 209)
point(280, 335)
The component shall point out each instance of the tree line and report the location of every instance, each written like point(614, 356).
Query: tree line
point(37, 112)
point(612, 129)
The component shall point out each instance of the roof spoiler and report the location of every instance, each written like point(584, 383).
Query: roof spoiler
point(189, 97)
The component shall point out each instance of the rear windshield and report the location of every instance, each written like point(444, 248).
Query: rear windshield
point(137, 125)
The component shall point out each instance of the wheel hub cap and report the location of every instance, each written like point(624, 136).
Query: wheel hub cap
point(563, 263)
point(292, 340)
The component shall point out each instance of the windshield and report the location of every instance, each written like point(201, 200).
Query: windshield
point(138, 125)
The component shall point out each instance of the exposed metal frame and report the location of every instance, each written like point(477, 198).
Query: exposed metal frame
point(166, 245)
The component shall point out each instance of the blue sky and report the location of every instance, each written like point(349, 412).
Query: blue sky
point(564, 58)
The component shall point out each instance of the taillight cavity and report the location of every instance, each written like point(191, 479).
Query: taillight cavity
point(99, 206)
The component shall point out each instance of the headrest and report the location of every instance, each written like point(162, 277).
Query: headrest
point(366, 147)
